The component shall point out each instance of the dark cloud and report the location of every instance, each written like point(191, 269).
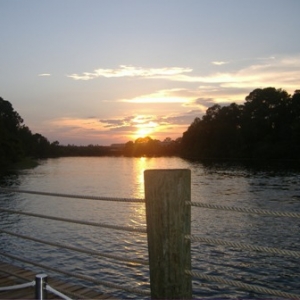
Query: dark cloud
point(186, 118)
point(130, 123)
point(123, 129)
point(113, 123)
point(110, 121)
point(203, 101)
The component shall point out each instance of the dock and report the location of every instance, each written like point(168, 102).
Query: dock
point(12, 275)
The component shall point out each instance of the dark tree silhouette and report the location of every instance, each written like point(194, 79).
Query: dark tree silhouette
point(10, 123)
point(267, 125)
point(16, 139)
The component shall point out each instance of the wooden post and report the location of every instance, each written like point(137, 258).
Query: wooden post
point(168, 221)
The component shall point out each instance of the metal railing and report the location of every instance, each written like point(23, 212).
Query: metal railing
point(41, 287)
point(168, 213)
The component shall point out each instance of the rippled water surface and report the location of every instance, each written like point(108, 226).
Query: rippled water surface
point(272, 188)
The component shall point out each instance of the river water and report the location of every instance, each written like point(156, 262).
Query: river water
point(263, 187)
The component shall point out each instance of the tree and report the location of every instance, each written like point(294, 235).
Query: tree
point(295, 122)
point(17, 140)
point(266, 121)
point(10, 120)
point(267, 125)
point(10, 145)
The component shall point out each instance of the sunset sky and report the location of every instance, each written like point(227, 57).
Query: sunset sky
point(109, 71)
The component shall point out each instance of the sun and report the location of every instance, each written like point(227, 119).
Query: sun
point(144, 128)
point(143, 132)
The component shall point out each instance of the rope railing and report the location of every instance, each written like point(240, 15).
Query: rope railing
point(56, 292)
point(96, 224)
point(80, 250)
point(191, 238)
point(243, 246)
point(85, 251)
point(244, 210)
point(242, 285)
point(141, 200)
point(78, 276)
point(73, 196)
point(17, 286)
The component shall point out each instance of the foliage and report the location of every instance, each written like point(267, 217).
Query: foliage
point(73, 150)
point(16, 140)
point(147, 146)
point(267, 125)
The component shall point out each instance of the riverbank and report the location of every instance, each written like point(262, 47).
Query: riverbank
point(25, 163)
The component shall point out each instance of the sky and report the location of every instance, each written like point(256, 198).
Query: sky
point(103, 72)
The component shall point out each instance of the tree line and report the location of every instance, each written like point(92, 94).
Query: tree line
point(146, 146)
point(267, 125)
point(16, 139)
point(18, 142)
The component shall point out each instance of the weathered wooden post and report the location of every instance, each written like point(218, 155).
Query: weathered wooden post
point(168, 221)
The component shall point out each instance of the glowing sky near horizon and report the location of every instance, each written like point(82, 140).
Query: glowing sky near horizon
point(108, 71)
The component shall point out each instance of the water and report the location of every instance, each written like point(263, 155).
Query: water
point(263, 187)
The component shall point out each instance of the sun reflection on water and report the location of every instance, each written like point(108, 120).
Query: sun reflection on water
point(137, 212)
point(140, 167)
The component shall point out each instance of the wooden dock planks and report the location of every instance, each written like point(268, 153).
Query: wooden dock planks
point(12, 275)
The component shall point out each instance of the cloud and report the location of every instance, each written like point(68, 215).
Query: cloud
point(171, 110)
point(200, 98)
point(131, 71)
point(184, 118)
point(203, 102)
point(69, 123)
point(136, 121)
point(161, 96)
point(116, 123)
point(280, 72)
point(277, 71)
point(219, 63)
point(130, 122)
point(44, 74)
point(119, 129)
point(233, 86)
point(218, 87)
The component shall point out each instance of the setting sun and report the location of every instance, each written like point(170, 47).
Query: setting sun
point(142, 132)
point(144, 126)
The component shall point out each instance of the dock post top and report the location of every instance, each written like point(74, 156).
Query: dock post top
point(40, 286)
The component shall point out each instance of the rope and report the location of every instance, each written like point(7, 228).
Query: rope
point(79, 276)
point(86, 197)
point(245, 210)
point(17, 286)
point(142, 230)
point(57, 293)
point(244, 286)
point(115, 227)
point(243, 246)
point(85, 251)
point(140, 200)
